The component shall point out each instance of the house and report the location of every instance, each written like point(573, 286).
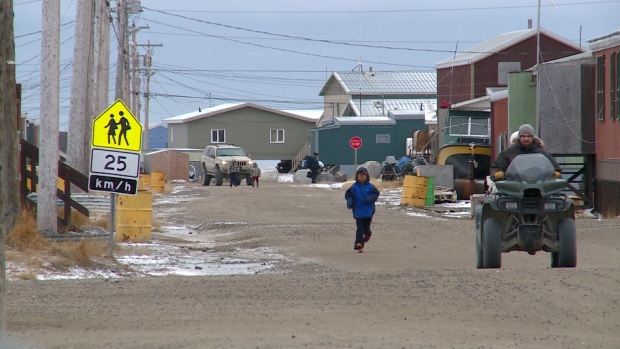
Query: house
point(468, 74)
point(384, 109)
point(606, 52)
point(381, 136)
point(343, 91)
point(264, 133)
point(158, 136)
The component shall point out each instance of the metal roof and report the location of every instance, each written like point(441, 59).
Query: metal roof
point(477, 104)
point(376, 107)
point(579, 56)
point(309, 114)
point(364, 120)
point(605, 41)
point(498, 44)
point(218, 109)
point(385, 83)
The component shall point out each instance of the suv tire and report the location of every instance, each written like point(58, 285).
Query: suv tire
point(206, 178)
point(219, 177)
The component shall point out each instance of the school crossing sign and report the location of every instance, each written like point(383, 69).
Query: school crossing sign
point(117, 128)
point(115, 154)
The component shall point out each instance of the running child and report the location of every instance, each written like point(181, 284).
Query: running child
point(361, 198)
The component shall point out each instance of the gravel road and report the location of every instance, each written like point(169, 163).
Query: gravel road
point(415, 285)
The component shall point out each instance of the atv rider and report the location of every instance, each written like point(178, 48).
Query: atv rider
point(526, 143)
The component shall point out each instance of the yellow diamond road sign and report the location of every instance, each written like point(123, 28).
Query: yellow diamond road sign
point(117, 128)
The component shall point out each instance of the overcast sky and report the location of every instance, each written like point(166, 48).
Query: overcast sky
point(280, 53)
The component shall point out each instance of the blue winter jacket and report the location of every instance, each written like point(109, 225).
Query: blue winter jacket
point(361, 198)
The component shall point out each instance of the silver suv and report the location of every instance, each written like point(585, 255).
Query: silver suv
point(217, 158)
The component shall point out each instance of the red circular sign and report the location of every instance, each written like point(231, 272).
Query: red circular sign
point(355, 142)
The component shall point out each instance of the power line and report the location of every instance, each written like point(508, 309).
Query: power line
point(292, 51)
point(298, 37)
point(349, 11)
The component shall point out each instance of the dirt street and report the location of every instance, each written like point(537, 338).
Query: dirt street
point(415, 285)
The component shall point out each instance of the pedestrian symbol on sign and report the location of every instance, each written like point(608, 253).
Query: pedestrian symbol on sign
point(113, 125)
point(117, 128)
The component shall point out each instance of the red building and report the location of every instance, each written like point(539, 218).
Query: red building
point(606, 51)
point(467, 75)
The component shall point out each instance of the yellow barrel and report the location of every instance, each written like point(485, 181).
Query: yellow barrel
point(158, 181)
point(134, 216)
point(144, 181)
point(414, 191)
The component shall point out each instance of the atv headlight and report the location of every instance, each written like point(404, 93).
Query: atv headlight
point(550, 206)
point(224, 162)
point(511, 206)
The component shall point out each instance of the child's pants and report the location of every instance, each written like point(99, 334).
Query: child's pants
point(255, 180)
point(363, 228)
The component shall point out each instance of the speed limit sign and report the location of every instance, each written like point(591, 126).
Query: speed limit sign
point(114, 171)
point(115, 163)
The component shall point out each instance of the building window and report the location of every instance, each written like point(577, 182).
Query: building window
point(617, 98)
point(612, 86)
point(218, 136)
point(171, 134)
point(385, 138)
point(277, 136)
point(503, 69)
point(464, 126)
point(600, 88)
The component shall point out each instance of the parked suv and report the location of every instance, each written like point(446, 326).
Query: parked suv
point(217, 158)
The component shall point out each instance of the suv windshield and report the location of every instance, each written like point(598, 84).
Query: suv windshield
point(530, 168)
point(230, 152)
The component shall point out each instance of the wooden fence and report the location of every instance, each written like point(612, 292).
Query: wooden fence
point(29, 160)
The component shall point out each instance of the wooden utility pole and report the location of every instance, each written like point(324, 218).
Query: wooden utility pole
point(119, 92)
point(81, 112)
point(147, 91)
point(9, 157)
point(147, 96)
point(50, 101)
point(135, 72)
point(102, 79)
point(121, 61)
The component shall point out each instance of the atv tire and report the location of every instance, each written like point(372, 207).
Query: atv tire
point(479, 254)
point(567, 256)
point(491, 244)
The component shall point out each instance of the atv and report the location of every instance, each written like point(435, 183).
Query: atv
point(528, 212)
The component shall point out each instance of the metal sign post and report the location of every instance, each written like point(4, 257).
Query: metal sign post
point(355, 142)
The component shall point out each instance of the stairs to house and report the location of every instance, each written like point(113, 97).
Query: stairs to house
point(303, 152)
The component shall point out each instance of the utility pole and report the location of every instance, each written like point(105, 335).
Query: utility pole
point(120, 92)
point(9, 157)
point(538, 123)
point(135, 68)
point(50, 105)
point(102, 78)
point(81, 112)
point(147, 96)
point(121, 61)
point(135, 72)
point(147, 93)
